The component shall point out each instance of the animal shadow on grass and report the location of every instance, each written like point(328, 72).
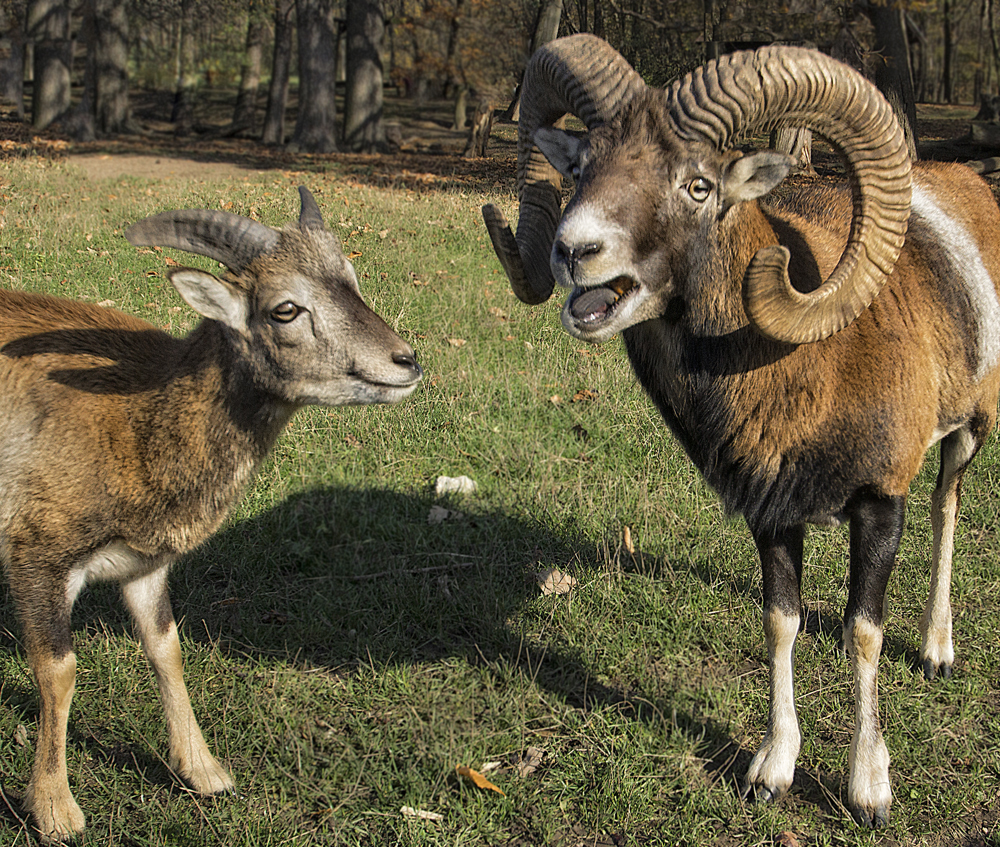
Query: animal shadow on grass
point(343, 578)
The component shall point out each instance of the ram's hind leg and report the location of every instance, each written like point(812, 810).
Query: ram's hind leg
point(937, 655)
point(149, 602)
point(773, 766)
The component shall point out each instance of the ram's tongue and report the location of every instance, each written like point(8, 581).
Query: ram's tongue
point(593, 304)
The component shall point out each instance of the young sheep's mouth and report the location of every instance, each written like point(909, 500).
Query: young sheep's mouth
point(592, 306)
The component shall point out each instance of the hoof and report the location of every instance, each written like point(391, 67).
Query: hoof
point(871, 818)
point(931, 670)
point(758, 795)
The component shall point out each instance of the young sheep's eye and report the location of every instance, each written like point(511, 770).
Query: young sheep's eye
point(285, 312)
point(699, 188)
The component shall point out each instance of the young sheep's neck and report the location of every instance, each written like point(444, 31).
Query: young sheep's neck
point(199, 439)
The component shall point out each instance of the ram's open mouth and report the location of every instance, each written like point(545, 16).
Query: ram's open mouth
point(596, 305)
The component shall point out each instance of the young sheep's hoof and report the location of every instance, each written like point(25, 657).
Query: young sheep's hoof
point(931, 670)
point(57, 822)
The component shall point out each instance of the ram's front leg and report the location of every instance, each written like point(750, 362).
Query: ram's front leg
point(149, 602)
point(876, 527)
point(773, 767)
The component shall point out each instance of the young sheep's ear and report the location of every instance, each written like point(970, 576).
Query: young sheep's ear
point(750, 177)
point(210, 296)
point(564, 151)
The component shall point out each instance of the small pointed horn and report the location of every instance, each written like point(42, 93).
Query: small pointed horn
point(231, 239)
point(310, 217)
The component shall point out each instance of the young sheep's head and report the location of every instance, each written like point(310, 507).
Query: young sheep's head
point(291, 305)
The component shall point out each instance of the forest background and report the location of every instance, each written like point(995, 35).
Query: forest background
point(77, 66)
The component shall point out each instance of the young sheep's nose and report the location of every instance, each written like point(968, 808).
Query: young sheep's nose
point(407, 360)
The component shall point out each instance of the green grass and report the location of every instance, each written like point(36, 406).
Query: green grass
point(344, 655)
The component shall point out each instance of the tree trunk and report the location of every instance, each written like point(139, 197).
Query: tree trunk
point(111, 110)
point(187, 80)
point(78, 121)
point(892, 74)
point(547, 27)
point(12, 65)
point(479, 135)
point(48, 27)
point(277, 94)
point(461, 107)
point(546, 30)
point(949, 50)
point(246, 97)
point(363, 128)
point(797, 143)
point(316, 127)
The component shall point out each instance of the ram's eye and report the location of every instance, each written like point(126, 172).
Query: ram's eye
point(699, 188)
point(285, 312)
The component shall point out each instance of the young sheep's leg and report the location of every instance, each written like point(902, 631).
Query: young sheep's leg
point(876, 527)
point(148, 600)
point(45, 616)
point(773, 767)
point(937, 655)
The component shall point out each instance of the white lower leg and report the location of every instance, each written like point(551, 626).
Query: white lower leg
point(773, 767)
point(869, 794)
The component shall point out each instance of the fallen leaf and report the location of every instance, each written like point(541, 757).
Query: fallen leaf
point(354, 254)
point(457, 342)
point(530, 761)
point(585, 394)
point(554, 581)
point(477, 779)
point(555, 399)
point(489, 767)
point(172, 262)
point(410, 812)
point(21, 735)
point(786, 839)
point(627, 541)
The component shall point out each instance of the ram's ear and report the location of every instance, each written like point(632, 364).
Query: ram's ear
point(750, 177)
point(564, 151)
point(210, 296)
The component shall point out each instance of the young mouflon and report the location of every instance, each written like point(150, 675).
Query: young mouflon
point(125, 447)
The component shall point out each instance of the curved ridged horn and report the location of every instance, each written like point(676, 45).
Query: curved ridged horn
point(748, 93)
point(579, 74)
point(310, 217)
point(231, 239)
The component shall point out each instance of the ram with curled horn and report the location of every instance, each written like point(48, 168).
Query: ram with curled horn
point(806, 350)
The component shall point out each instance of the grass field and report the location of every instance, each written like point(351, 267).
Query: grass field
point(345, 654)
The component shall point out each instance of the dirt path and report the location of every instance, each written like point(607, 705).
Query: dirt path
point(115, 166)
